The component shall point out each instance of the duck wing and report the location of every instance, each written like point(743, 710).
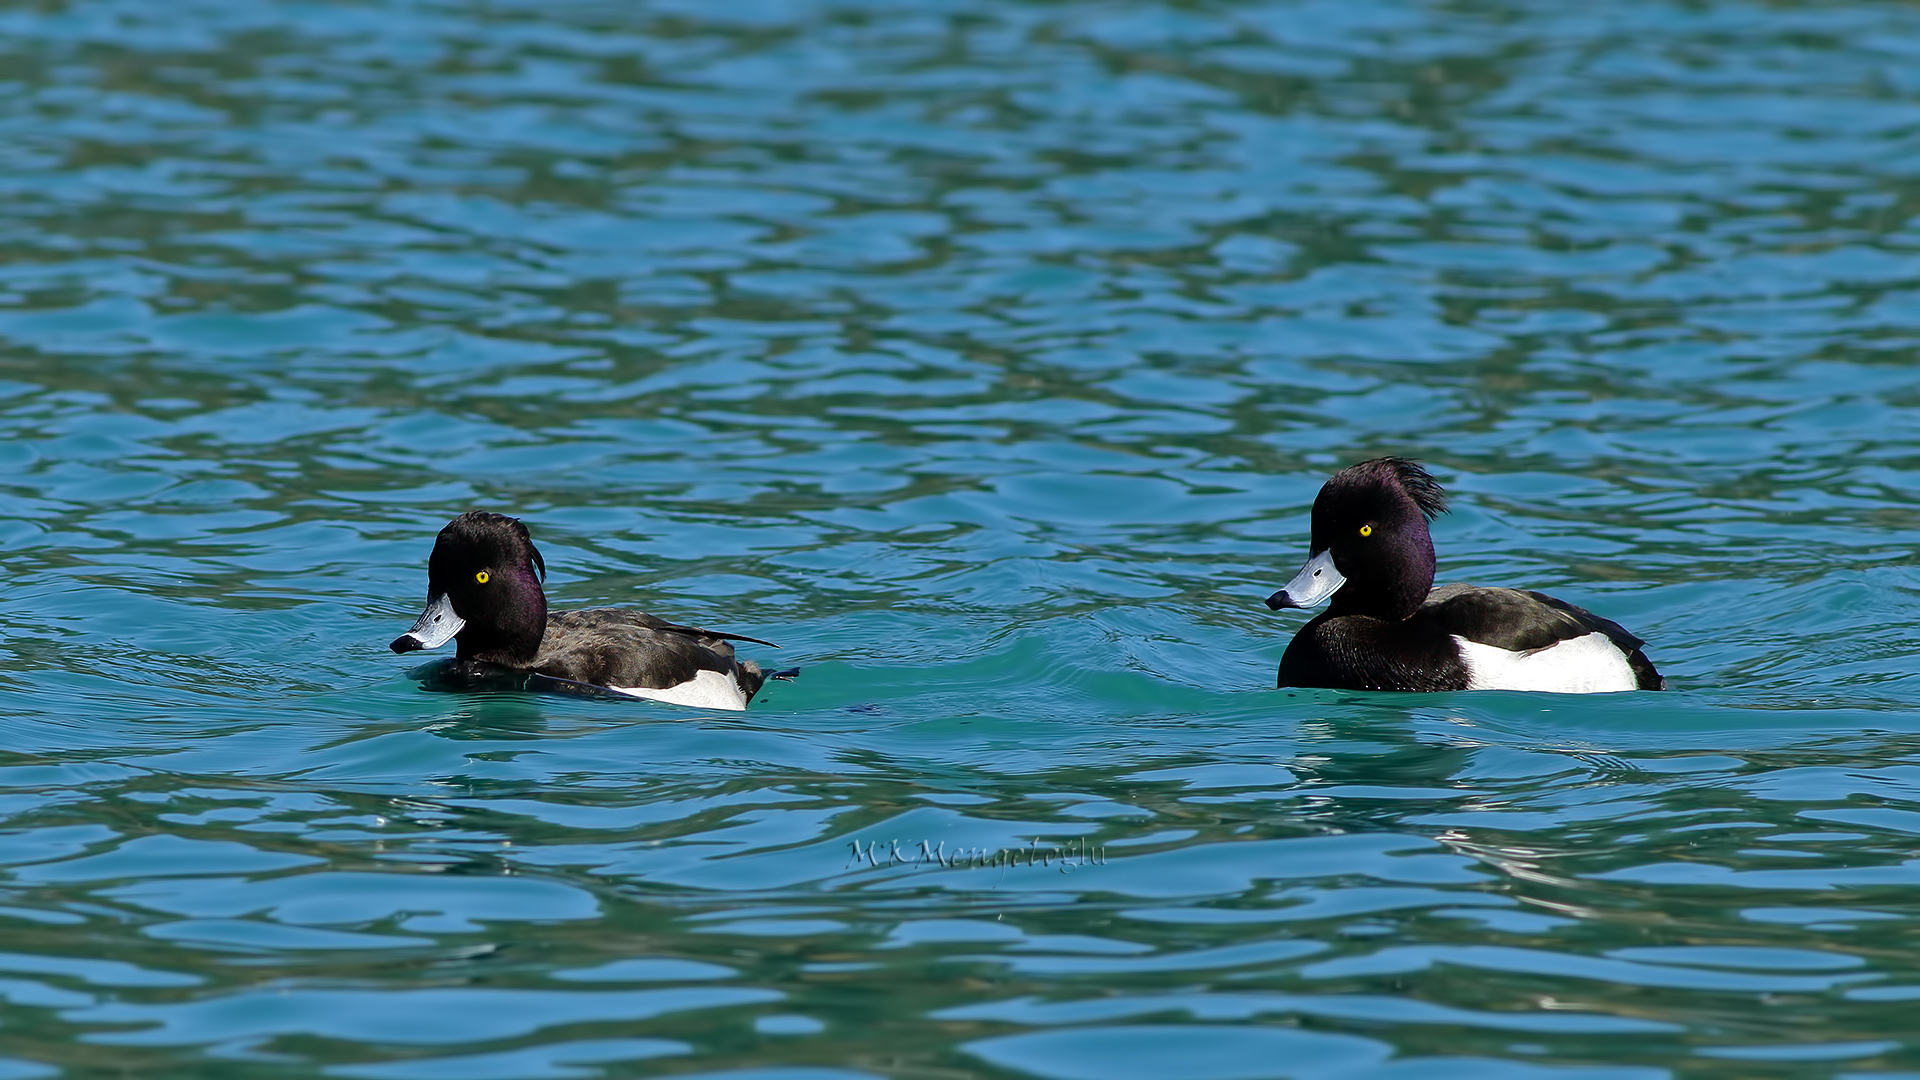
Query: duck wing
point(1523, 621)
point(1513, 619)
point(630, 617)
point(628, 649)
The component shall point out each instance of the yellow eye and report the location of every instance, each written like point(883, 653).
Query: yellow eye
point(482, 577)
point(1366, 530)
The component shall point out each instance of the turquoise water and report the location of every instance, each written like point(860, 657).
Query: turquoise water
point(987, 358)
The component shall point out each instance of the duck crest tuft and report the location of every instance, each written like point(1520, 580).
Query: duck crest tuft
point(1417, 482)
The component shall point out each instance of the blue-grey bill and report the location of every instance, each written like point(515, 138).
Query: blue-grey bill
point(1311, 586)
point(435, 627)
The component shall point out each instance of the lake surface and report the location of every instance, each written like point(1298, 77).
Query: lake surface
point(987, 358)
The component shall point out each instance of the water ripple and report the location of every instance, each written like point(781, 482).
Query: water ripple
point(989, 361)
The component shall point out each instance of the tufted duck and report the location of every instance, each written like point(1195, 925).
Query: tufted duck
point(482, 593)
point(1389, 629)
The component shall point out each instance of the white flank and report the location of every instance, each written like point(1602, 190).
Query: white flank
point(707, 690)
point(1584, 665)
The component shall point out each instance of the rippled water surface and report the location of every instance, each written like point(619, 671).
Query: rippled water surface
point(986, 357)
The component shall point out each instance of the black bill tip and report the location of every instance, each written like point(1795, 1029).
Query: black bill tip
point(1276, 602)
point(405, 643)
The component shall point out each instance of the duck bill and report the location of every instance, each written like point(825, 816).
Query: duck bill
point(436, 626)
point(1311, 586)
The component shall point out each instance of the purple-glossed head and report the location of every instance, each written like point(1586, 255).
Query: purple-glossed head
point(1370, 552)
point(483, 590)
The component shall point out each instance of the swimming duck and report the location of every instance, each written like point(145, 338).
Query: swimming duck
point(1388, 628)
point(482, 592)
